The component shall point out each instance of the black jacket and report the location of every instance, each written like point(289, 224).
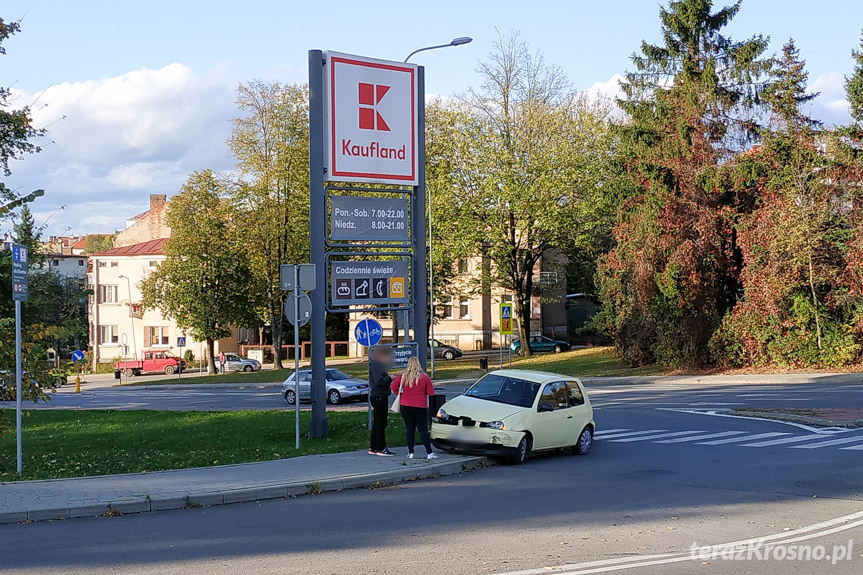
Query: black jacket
point(379, 380)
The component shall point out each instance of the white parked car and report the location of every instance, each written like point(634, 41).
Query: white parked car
point(510, 413)
point(340, 387)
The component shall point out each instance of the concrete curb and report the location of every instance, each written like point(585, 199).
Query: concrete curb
point(414, 470)
point(797, 418)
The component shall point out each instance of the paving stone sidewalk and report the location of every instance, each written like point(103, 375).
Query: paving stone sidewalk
point(142, 492)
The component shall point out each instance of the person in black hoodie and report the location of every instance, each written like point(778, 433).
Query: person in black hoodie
point(379, 396)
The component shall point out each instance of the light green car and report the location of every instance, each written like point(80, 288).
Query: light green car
point(511, 413)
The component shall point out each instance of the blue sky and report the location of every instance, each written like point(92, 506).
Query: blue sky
point(138, 94)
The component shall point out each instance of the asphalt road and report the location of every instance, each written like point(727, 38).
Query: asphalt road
point(668, 471)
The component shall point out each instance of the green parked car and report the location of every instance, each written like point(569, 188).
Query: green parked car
point(540, 343)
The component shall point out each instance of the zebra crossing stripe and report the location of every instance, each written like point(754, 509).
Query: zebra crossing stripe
point(857, 447)
point(702, 437)
point(784, 440)
point(651, 437)
point(739, 439)
point(829, 443)
point(630, 433)
point(607, 432)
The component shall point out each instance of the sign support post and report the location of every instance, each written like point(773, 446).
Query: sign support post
point(18, 451)
point(319, 426)
point(418, 231)
point(20, 292)
point(297, 354)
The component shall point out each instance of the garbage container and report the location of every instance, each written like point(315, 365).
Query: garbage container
point(116, 374)
point(483, 363)
point(435, 403)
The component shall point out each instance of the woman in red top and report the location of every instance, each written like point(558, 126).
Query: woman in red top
point(416, 387)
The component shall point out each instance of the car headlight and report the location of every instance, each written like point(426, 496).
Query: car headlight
point(496, 425)
point(441, 414)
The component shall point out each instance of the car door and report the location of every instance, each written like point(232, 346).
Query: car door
point(306, 385)
point(580, 412)
point(551, 421)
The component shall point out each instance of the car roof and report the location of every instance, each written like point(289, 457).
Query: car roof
point(532, 375)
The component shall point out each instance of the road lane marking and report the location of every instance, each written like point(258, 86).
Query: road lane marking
point(739, 439)
point(829, 443)
point(855, 447)
point(651, 437)
point(630, 433)
point(784, 440)
point(702, 437)
point(608, 431)
point(809, 532)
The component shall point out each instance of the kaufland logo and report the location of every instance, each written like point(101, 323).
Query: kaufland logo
point(372, 120)
point(370, 95)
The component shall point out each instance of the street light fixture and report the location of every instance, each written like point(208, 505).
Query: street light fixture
point(461, 40)
point(131, 317)
point(455, 42)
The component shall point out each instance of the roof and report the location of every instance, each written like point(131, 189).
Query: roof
point(151, 248)
point(82, 241)
point(140, 216)
point(531, 375)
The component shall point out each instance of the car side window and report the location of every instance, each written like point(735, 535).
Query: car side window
point(574, 394)
point(554, 395)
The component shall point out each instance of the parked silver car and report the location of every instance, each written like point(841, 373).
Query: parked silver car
point(236, 362)
point(340, 387)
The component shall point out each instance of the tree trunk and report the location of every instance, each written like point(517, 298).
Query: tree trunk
point(815, 302)
point(211, 360)
point(276, 331)
point(522, 312)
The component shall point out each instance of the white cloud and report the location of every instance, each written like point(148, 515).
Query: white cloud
point(609, 89)
point(831, 106)
point(114, 141)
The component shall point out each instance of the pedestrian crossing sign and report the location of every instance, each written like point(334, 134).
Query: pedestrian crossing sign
point(506, 318)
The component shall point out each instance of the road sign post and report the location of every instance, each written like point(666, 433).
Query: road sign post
point(20, 292)
point(505, 327)
point(298, 311)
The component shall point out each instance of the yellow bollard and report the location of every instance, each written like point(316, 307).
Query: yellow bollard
point(77, 384)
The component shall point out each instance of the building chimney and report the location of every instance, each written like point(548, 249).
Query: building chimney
point(157, 201)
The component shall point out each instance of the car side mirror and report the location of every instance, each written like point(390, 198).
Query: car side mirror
point(545, 407)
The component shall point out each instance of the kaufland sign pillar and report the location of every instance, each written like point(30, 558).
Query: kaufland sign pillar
point(366, 125)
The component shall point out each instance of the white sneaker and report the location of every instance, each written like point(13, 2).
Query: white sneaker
point(410, 455)
point(431, 455)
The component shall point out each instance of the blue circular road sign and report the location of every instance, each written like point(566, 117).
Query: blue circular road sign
point(368, 332)
point(77, 355)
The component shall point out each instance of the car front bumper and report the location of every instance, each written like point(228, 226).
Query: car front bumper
point(475, 440)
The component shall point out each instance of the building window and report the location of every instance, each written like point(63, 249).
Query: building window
point(55, 263)
point(445, 306)
point(153, 263)
point(114, 264)
point(80, 263)
point(461, 265)
point(464, 307)
point(157, 335)
point(108, 334)
point(103, 264)
point(108, 294)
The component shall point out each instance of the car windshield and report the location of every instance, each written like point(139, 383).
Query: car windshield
point(336, 375)
point(503, 389)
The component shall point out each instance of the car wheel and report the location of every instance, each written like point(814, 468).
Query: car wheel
point(558, 348)
point(128, 372)
point(448, 355)
point(518, 350)
point(247, 368)
point(169, 370)
point(290, 397)
point(585, 441)
point(522, 451)
point(334, 397)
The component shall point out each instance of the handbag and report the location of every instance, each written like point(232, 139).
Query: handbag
point(396, 406)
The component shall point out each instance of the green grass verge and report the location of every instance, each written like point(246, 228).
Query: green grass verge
point(64, 443)
point(588, 362)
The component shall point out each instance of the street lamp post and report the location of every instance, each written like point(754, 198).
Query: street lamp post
point(131, 317)
point(461, 40)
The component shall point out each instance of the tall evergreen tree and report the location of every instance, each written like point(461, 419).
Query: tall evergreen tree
point(854, 85)
point(672, 274)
